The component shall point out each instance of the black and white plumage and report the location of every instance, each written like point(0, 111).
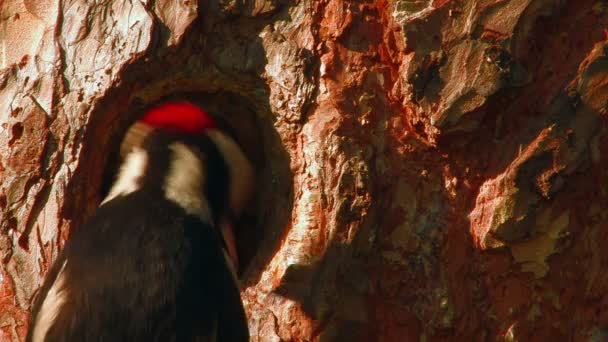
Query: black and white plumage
point(152, 264)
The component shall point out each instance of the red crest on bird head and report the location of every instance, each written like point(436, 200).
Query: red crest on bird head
point(179, 117)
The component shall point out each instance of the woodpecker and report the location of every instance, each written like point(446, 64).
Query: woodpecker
point(157, 261)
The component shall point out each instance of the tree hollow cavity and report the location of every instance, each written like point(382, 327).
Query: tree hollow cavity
point(259, 228)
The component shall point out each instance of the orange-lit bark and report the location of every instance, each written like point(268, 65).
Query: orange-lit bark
point(428, 170)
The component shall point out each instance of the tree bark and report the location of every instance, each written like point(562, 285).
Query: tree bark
point(427, 170)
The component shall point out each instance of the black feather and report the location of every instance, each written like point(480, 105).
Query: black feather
point(143, 269)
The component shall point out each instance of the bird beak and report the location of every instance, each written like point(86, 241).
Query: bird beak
point(228, 235)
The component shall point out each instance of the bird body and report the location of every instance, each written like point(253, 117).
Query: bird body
point(152, 264)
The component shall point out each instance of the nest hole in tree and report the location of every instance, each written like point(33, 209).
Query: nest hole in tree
point(259, 229)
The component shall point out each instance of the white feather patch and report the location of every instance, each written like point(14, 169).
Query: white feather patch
point(185, 181)
point(51, 306)
point(241, 171)
point(131, 171)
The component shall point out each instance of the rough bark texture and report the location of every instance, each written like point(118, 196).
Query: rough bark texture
point(428, 170)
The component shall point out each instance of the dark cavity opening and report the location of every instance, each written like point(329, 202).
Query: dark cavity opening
point(260, 227)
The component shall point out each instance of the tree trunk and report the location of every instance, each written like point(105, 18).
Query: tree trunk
point(427, 170)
